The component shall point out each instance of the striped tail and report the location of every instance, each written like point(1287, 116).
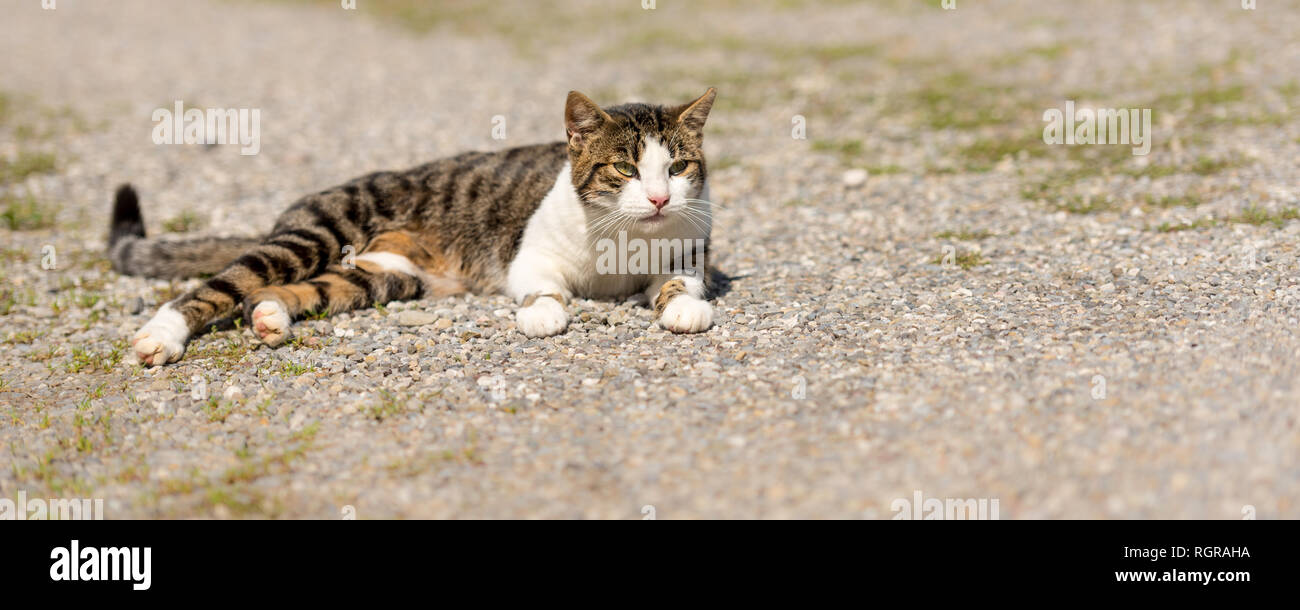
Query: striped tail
point(132, 254)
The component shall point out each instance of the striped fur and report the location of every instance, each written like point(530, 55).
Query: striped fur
point(456, 222)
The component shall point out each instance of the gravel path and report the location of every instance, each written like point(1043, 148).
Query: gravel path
point(1073, 331)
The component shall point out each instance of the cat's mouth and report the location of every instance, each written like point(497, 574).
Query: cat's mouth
point(654, 218)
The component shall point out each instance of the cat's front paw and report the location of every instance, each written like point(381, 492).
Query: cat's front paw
point(545, 317)
point(687, 314)
point(161, 340)
point(271, 323)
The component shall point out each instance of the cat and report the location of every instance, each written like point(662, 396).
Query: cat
point(523, 221)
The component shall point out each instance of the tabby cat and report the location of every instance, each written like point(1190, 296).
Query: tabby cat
point(522, 221)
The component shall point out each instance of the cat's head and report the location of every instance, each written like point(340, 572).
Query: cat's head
point(643, 161)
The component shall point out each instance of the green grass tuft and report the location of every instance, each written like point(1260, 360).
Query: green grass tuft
point(1200, 223)
point(24, 213)
point(26, 164)
point(965, 260)
point(964, 235)
point(183, 223)
point(1255, 215)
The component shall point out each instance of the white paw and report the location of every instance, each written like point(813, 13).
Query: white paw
point(543, 318)
point(271, 323)
point(162, 339)
point(687, 314)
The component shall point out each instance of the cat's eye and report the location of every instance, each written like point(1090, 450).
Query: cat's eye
point(625, 168)
point(678, 167)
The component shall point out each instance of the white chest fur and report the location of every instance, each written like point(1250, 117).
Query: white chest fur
point(559, 252)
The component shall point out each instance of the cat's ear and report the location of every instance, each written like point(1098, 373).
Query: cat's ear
point(582, 117)
point(694, 114)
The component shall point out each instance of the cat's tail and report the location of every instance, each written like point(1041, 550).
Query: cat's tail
point(132, 254)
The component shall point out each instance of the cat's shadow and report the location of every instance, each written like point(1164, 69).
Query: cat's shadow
point(720, 282)
point(719, 286)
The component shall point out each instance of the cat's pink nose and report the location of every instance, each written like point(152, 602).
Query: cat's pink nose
point(659, 200)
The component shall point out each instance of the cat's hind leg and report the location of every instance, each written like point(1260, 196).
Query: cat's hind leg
point(271, 310)
point(308, 237)
point(394, 268)
point(162, 339)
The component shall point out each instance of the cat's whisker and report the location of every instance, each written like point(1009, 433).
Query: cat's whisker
point(699, 208)
point(613, 219)
point(595, 230)
point(602, 221)
point(695, 220)
point(631, 220)
point(706, 220)
point(700, 204)
point(699, 212)
point(605, 225)
point(596, 236)
point(697, 224)
point(617, 221)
